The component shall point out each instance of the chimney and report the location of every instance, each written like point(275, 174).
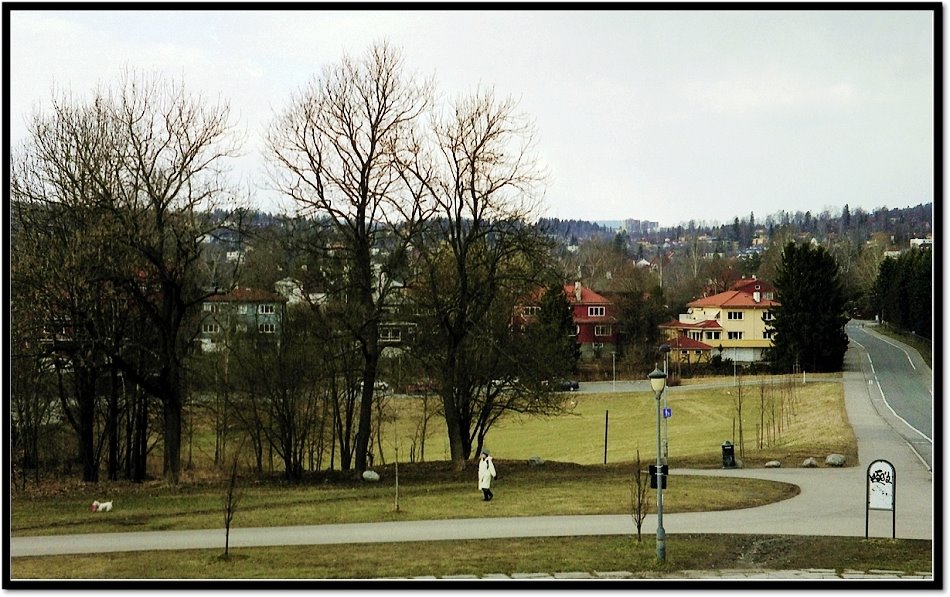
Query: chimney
point(577, 291)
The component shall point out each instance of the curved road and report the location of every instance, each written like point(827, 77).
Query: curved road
point(831, 502)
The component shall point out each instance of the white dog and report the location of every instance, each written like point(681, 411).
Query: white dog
point(101, 506)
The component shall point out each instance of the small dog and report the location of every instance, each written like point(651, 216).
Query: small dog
point(101, 506)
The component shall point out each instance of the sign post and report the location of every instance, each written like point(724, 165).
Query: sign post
point(881, 493)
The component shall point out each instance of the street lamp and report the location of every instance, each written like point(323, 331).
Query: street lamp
point(665, 349)
point(658, 383)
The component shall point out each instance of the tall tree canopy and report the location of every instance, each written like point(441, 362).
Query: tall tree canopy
point(809, 324)
point(903, 292)
point(336, 150)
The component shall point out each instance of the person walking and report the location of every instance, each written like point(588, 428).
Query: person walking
point(486, 472)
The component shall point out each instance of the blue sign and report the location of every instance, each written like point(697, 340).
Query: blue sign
point(667, 413)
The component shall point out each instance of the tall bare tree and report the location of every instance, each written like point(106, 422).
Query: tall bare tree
point(483, 181)
point(145, 158)
point(334, 150)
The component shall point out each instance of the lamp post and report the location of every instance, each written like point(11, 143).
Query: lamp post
point(665, 350)
point(658, 383)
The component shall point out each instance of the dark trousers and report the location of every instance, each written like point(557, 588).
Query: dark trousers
point(488, 494)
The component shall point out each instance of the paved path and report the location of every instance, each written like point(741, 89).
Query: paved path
point(831, 502)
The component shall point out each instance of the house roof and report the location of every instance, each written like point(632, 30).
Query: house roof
point(687, 343)
point(588, 296)
point(734, 299)
point(243, 294)
point(699, 325)
point(748, 285)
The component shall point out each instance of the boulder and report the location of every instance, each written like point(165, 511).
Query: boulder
point(371, 476)
point(810, 463)
point(835, 460)
point(773, 464)
point(535, 461)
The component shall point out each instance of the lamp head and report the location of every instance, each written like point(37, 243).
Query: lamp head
point(664, 348)
point(657, 380)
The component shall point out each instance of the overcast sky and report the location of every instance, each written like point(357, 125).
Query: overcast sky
point(652, 115)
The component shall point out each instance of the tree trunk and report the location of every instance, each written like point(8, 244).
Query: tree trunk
point(112, 425)
point(86, 397)
point(172, 401)
point(366, 408)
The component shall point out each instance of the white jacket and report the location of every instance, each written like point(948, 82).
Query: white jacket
point(486, 472)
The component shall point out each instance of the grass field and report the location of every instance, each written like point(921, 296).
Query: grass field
point(426, 491)
point(574, 480)
point(506, 556)
point(815, 424)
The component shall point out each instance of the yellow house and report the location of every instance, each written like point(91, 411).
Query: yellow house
point(733, 324)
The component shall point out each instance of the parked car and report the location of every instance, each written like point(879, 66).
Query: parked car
point(562, 385)
point(379, 386)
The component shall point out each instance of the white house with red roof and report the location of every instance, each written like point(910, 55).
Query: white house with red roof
point(733, 324)
point(243, 310)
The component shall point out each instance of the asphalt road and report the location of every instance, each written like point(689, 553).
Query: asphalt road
point(903, 384)
point(832, 500)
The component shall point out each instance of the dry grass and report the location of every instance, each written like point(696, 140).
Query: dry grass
point(426, 491)
point(506, 556)
point(815, 424)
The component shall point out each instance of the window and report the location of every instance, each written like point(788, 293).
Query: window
point(598, 345)
point(696, 336)
point(735, 335)
point(267, 328)
point(699, 352)
point(596, 311)
point(210, 328)
point(265, 309)
point(767, 335)
point(211, 308)
point(768, 316)
point(601, 330)
point(685, 353)
point(531, 310)
point(734, 315)
point(242, 309)
point(713, 335)
point(390, 334)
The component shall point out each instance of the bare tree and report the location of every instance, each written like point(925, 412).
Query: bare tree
point(482, 179)
point(231, 498)
point(145, 159)
point(335, 151)
point(638, 497)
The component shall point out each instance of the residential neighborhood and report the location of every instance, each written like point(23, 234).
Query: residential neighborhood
point(409, 297)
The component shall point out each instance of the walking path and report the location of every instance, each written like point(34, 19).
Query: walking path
point(831, 502)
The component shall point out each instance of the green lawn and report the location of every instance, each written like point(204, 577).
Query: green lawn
point(815, 424)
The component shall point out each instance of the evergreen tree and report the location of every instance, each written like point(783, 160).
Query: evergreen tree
point(903, 292)
point(557, 330)
point(809, 324)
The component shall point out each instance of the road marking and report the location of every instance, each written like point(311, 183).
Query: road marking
point(884, 398)
point(907, 354)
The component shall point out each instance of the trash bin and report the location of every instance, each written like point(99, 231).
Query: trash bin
point(728, 455)
point(665, 472)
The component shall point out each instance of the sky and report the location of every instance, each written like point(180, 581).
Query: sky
point(663, 115)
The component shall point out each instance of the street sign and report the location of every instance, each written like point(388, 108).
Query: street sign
point(667, 412)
